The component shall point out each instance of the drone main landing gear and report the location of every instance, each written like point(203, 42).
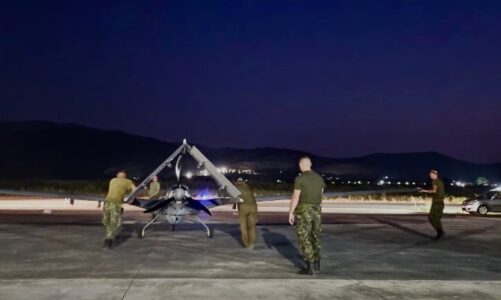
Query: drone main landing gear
point(210, 231)
point(141, 234)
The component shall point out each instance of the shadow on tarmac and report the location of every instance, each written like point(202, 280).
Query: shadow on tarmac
point(400, 227)
point(231, 230)
point(123, 235)
point(284, 247)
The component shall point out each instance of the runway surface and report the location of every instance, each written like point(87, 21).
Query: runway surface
point(58, 255)
point(328, 206)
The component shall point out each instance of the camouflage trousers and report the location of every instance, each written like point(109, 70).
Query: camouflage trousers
point(308, 227)
point(112, 218)
point(248, 219)
point(435, 215)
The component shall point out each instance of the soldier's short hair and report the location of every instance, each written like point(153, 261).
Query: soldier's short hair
point(305, 157)
point(434, 172)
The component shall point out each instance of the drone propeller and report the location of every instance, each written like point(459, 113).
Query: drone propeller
point(178, 168)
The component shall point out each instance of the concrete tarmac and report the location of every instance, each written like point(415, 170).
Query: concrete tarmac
point(58, 255)
point(328, 206)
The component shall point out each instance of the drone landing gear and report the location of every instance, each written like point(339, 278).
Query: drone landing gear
point(141, 233)
point(210, 231)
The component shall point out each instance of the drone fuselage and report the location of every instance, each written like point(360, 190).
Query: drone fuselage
point(175, 211)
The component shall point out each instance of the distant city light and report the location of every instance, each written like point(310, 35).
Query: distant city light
point(460, 184)
point(189, 175)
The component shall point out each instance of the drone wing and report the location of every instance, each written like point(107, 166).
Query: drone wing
point(155, 205)
point(202, 205)
point(146, 203)
point(223, 182)
point(213, 202)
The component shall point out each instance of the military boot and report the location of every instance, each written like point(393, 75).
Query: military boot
point(440, 234)
point(308, 270)
point(108, 244)
point(316, 266)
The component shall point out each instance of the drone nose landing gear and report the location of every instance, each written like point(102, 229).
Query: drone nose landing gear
point(141, 233)
point(210, 231)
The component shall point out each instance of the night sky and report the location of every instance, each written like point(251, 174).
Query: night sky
point(337, 78)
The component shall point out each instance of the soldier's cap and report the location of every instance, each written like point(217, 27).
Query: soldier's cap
point(434, 172)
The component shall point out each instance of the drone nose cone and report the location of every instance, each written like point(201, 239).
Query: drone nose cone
point(179, 194)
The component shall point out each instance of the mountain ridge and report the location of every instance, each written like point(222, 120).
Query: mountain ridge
point(41, 149)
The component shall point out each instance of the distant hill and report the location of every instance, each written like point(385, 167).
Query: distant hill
point(66, 151)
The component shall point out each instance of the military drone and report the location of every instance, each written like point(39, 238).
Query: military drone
point(178, 204)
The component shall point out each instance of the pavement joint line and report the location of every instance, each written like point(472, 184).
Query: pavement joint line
point(138, 270)
point(375, 291)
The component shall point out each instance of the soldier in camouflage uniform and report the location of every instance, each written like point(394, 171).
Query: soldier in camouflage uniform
point(306, 211)
point(437, 205)
point(112, 210)
point(247, 212)
point(154, 190)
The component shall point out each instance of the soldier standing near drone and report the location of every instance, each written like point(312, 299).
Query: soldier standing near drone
point(112, 209)
point(247, 212)
point(154, 190)
point(305, 210)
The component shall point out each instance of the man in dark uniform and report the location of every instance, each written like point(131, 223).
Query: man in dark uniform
point(305, 210)
point(112, 210)
point(437, 205)
point(247, 212)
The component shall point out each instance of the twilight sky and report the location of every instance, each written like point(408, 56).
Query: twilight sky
point(337, 78)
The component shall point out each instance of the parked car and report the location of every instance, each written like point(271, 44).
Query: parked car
point(484, 203)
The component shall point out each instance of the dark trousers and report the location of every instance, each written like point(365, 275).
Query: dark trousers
point(435, 215)
point(248, 218)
